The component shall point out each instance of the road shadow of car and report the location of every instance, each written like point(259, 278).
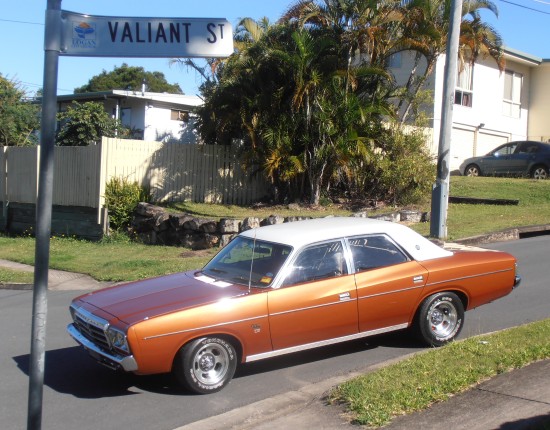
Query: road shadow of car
point(72, 371)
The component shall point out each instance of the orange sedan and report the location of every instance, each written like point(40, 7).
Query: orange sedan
point(286, 288)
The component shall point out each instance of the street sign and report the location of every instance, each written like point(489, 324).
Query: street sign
point(107, 36)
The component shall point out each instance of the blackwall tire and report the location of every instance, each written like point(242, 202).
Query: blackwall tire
point(206, 365)
point(440, 319)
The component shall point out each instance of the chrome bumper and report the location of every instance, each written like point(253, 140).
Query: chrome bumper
point(517, 281)
point(127, 363)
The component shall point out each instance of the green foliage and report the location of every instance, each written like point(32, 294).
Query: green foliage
point(129, 78)
point(85, 124)
point(405, 172)
point(121, 198)
point(18, 118)
point(315, 91)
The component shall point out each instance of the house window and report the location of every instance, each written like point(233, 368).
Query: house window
point(179, 115)
point(126, 117)
point(395, 60)
point(463, 90)
point(511, 104)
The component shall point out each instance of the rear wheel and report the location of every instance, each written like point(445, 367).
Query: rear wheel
point(472, 170)
point(539, 172)
point(440, 319)
point(206, 365)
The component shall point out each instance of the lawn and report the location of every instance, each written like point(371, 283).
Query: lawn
point(118, 259)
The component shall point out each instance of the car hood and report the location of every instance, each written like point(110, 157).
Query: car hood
point(136, 301)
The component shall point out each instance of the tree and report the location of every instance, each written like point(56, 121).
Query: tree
point(18, 117)
point(129, 78)
point(85, 124)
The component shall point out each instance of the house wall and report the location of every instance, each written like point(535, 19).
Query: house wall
point(539, 124)
point(159, 127)
point(468, 138)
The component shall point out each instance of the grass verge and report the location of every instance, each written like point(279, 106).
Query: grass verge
point(433, 376)
point(114, 260)
point(9, 276)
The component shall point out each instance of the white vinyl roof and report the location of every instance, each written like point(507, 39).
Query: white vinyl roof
point(300, 233)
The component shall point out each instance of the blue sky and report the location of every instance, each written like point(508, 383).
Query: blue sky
point(523, 24)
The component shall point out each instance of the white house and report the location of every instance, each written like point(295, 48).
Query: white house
point(490, 107)
point(160, 117)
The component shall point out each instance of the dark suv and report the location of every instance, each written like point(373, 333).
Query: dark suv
point(522, 158)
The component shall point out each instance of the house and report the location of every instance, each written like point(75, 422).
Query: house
point(490, 107)
point(160, 117)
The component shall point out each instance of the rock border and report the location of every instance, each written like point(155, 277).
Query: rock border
point(154, 225)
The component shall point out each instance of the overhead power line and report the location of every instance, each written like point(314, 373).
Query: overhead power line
point(527, 7)
point(21, 22)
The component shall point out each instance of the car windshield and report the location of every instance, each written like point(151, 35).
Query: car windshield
point(247, 261)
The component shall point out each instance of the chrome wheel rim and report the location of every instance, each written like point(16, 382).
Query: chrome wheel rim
point(442, 319)
point(540, 173)
point(472, 171)
point(210, 364)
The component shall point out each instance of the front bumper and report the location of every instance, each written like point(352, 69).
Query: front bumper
point(114, 361)
point(517, 281)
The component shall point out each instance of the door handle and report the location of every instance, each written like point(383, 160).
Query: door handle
point(345, 296)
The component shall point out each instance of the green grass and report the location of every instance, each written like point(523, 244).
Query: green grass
point(215, 211)
point(10, 276)
point(119, 259)
point(109, 260)
point(465, 220)
point(433, 376)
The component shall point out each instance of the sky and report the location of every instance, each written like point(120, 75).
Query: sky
point(523, 24)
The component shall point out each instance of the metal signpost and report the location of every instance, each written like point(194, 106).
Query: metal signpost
point(74, 34)
point(440, 192)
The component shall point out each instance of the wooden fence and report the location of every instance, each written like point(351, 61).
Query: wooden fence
point(173, 172)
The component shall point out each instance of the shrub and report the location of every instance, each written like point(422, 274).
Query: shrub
point(121, 198)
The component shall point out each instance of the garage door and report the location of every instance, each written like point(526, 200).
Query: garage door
point(487, 142)
point(462, 146)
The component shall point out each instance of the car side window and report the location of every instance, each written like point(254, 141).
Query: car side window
point(371, 252)
point(528, 148)
point(318, 262)
point(505, 150)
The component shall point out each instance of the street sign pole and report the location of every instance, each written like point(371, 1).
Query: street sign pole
point(75, 34)
point(440, 192)
point(44, 215)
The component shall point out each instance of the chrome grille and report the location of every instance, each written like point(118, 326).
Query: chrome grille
point(91, 327)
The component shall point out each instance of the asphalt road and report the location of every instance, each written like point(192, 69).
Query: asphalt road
point(79, 394)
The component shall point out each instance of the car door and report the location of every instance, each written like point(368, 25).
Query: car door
point(523, 157)
point(498, 162)
point(317, 300)
point(389, 283)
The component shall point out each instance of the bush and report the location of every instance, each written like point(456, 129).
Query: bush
point(121, 199)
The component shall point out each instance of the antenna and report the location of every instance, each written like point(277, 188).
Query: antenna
point(252, 263)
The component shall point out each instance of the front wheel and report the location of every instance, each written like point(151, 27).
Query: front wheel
point(539, 172)
point(206, 365)
point(440, 319)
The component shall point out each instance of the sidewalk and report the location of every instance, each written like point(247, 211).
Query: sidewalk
point(512, 401)
point(57, 279)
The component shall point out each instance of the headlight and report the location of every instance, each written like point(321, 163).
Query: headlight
point(117, 339)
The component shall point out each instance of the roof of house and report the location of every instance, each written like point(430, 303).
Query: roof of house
point(182, 100)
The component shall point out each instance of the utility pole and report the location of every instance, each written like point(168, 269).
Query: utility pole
point(52, 43)
point(440, 192)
